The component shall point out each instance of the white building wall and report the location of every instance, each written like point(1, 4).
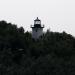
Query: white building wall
point(37, 32)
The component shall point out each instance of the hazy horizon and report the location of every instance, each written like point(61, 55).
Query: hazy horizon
point(58, 15)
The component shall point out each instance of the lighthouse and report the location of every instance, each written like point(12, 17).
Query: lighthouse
point(37, 29)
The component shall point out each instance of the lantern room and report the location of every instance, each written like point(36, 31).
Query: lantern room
point(37, 21)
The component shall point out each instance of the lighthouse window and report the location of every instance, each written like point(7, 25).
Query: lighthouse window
point(37, 22)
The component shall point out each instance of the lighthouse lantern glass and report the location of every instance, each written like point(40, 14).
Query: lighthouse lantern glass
point(37, 22)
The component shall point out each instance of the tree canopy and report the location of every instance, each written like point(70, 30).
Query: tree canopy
point(20, 54)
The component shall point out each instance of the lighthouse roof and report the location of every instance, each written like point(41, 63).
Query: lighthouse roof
point(37, 19)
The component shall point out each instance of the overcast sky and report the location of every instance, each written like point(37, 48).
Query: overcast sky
point(58, 15)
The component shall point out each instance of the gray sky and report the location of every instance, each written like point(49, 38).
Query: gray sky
point(58, 15)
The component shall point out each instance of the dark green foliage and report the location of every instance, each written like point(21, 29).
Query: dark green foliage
point(52, 54)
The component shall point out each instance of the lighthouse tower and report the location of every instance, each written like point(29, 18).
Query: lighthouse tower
point(37, 29)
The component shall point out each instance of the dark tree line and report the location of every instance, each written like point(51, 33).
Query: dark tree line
point(52, 54)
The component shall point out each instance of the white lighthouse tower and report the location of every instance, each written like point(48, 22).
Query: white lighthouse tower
point(37, 29)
